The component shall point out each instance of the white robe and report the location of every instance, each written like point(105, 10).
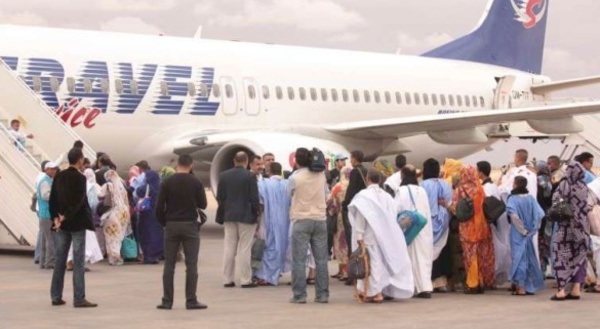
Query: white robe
point(93, 254)
point(372, 214)
point(421, 249)
point(394, 182)
point(501, 237)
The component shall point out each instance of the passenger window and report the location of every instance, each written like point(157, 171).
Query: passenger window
point(313, 94)
point(291, 95)
point(119, 86)
point(266, 93)
point(377, 97)
point(458, 100)
point(425, 99)
point(388, 97)
point(356, 96)
point(216, 90)
point(251, 92)
point(345, 95)
point(467, 101)
point(407, 98)
point(203, 90)
point(133, 85)
point(367, 96)
point(70, 84)
point(417, 99)
point(451, 100)
point(279, 92)
point(54, 86)
point(334, 95)
point(191, 89)
point(481, 101)
point(228, 91)
point(324, 94)
point(87, 85)
point(443, 100)
point(37, 84)
point(474, 101)
point(398, 98)
point(434, 99)
point(302, 93)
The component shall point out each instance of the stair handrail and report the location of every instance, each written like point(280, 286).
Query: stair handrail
point(51, 113)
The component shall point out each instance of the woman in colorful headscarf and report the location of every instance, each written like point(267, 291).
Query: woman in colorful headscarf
point(340, 247)
point(475, 234)
point(451, 171)
point(166, 172)
point(571, 238)
point(149, 230)
point(116, 221)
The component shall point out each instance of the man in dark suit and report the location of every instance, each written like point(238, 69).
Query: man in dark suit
point(356, 184)
point(237, 195)
point(72, 216)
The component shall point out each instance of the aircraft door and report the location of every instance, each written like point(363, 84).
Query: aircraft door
point(502, 97)
point(252, 97)
point(229, 96)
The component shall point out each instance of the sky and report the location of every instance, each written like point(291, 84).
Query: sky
point(388, 26)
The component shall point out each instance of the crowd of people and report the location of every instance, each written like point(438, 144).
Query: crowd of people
point(428, 230)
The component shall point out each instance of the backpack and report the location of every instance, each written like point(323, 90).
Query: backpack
point(317, 163)
point(493, 209)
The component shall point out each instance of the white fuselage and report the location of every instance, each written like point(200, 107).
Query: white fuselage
point(177, 79)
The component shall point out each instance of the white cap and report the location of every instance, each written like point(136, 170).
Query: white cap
point(50, 164)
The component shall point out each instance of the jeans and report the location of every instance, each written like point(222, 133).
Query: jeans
point(188, 235)
point(313, 232)
point(47, 256)
point(63, 242)
point(38, 246)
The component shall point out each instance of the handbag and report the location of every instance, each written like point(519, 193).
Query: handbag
point(560, 212)
point(465, 209)
point(129, 248)
point(202, 218)
point(256, 253)
point(358, 264)
point(145, 203)
point(411, 221)
point(493, 209)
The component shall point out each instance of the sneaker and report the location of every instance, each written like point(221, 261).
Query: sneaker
point(84, 304)
point(297, 301)
point(321, 300)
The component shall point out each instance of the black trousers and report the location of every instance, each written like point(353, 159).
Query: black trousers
point(347, 230)
point(188, 235)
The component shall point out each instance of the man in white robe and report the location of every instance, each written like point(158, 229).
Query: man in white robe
point(500, 230)
point(372, 214)
point(392, 184)
point(413, 197)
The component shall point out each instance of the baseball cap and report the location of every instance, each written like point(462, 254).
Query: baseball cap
point(340, 156)
point(50, 164)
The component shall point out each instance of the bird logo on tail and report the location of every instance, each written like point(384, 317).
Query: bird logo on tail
point(529, 12)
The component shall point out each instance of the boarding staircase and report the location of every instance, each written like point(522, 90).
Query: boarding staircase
point(587, 140)
point(20, 167)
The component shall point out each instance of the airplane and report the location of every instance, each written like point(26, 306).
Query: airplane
point(152, 97)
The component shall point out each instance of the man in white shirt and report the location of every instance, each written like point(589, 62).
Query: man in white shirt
point(505, 183)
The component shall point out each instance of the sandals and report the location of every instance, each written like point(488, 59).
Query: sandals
point(592, 290)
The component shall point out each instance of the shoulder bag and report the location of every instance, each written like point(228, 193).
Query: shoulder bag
point(145, 203)
point(358, 264)
point(493, 209)
point(411, 221)
point(465, 209)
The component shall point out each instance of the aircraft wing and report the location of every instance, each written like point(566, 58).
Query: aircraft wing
point(554, 86)
point(546, 119)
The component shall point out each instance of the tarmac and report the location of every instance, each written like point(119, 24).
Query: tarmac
point(127, 297)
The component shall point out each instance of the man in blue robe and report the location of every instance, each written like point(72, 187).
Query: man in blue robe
point(439, 193)
point(526, 216)
point(276, 209)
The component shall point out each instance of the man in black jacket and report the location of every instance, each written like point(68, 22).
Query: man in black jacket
point(72, 216)
point(237, 196)
point(356, 184)
point(177, 209)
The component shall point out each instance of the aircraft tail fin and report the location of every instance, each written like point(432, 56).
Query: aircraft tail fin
point(510, 34)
